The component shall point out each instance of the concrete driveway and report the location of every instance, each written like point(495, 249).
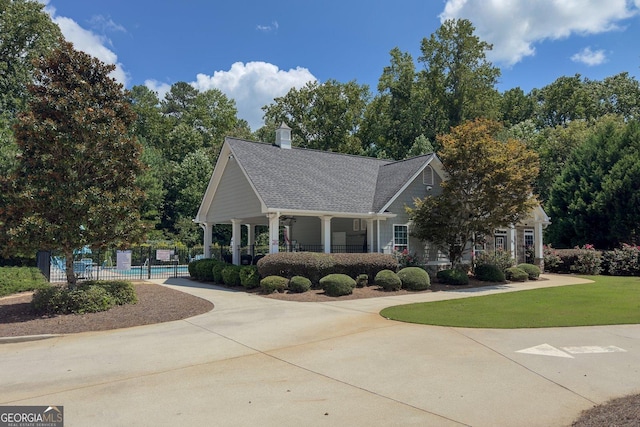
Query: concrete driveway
point(254, 361)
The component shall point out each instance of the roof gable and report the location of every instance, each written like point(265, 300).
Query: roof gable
point(394, 178)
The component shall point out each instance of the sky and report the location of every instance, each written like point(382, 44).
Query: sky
point(254, 50)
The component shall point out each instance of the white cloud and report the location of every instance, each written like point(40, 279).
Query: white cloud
point(89, 42)
point(253, 85)
point(273, 27)
point(590, 57)
point(159, 88)
point(513, 27)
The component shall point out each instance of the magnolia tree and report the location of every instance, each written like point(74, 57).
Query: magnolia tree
point(488, 185)
point(75, 180)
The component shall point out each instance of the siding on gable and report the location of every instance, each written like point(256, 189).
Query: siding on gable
point(234, 197)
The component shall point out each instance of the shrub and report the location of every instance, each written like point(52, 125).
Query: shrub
point(453, 277)
point(121, 291)
point(218, 266)
point(249, 277)
point(552, 260)
point(388, 280)
point(489, 273)
point(337, 284)
point(299, 284)
point(317, 265)
point(231, 275)
point(588, 260)
point(49, 300)
point(20, 279)
point(624, 261)
point(501, 259)
point(271, 284)
point(414, 278)
point(405, 259)
point(202, 269)
point(85, 299)
point(533, 271)
point(516, 274)
point(362, 280)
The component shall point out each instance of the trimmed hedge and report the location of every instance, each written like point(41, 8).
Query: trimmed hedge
point(217, 271)
point(271, 284)
point(337, 284)
point(414, 278)
point(362, 280)
point(453, 277)
point(89, 297)
point(249, 277)
point(489, 273)
point(516, 274)
point(388, 280)
point(533, 271)
point(20, 279)
point(202, 269)
point(231, 275)
point(318, 265)
point(299, 284)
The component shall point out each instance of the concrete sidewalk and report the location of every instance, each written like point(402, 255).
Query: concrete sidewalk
point(255, 361)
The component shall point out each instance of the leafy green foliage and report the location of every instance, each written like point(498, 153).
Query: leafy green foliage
point(488, 186)
point(489, 273)
point(20, 279)
point(202, 269)
point(533, 271)
point(623, 261)
point(516, 274)
point(249, 276)
point(231, 275)
point(388, 280)
point(336, 285)
point(271, 284)
point(501, 259)
point(453, 277)
point(218, 266)
point(362, 280)
point(121, 291)
point(90, 297)
point(414, 278)
point(299, 284)
point(75, 182)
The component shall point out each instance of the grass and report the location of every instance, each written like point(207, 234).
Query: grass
point(608, 301)
point(20, 279)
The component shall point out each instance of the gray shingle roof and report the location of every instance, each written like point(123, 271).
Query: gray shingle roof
point(302, 179)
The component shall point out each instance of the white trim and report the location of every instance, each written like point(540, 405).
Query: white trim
point(428, 180)
point(393, 237)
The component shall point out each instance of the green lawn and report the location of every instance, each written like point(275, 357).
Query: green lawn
point(607, 301)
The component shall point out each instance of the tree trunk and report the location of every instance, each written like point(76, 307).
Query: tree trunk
point(71, 275)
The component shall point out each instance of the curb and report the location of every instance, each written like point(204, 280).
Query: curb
point(26, 338)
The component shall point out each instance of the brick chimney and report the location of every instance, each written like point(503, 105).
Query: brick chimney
point(283, 136)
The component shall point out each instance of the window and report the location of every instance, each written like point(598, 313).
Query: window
point(500, 240)
point(400, 237)
point(528, 238)
point(427, 176)
point(356, 225)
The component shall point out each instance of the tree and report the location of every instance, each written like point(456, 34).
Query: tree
point(564, 100)
point(323, 116)
point(457, 76)
point(75, 183)
point(516, 107)
point(488, 185)
point(27, 33)
point(596, 199)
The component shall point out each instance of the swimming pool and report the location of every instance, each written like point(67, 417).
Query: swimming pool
point(137, 272)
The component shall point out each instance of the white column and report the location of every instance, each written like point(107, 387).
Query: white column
point(511, 241)
point(370, 234)
point(378, 233)
point(250, 237)
point(235, 241)
point(208, 238)
point(325, 222)
point(537, 241)
point(274, 233)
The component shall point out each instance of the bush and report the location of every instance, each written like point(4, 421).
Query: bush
point(299, 284)
point(218, 266)
point(533, 271)
point(249, 277)
point(271, 284)
point(50, 300)
point(515, 274)
point(231, 275)
point(489, 273)
point(388, 280)
point(20, 279)
point(453, 277)
point(202, 269)
point(622, 262)
point(552, 260)
point(501, 259)
point(362, 280)
point(337, 284)
point(121, 291)
point(89, 299)
point(317, 265)
point(588, 261)
point(414, 278)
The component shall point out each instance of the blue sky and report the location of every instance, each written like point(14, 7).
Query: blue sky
point(255, 50)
